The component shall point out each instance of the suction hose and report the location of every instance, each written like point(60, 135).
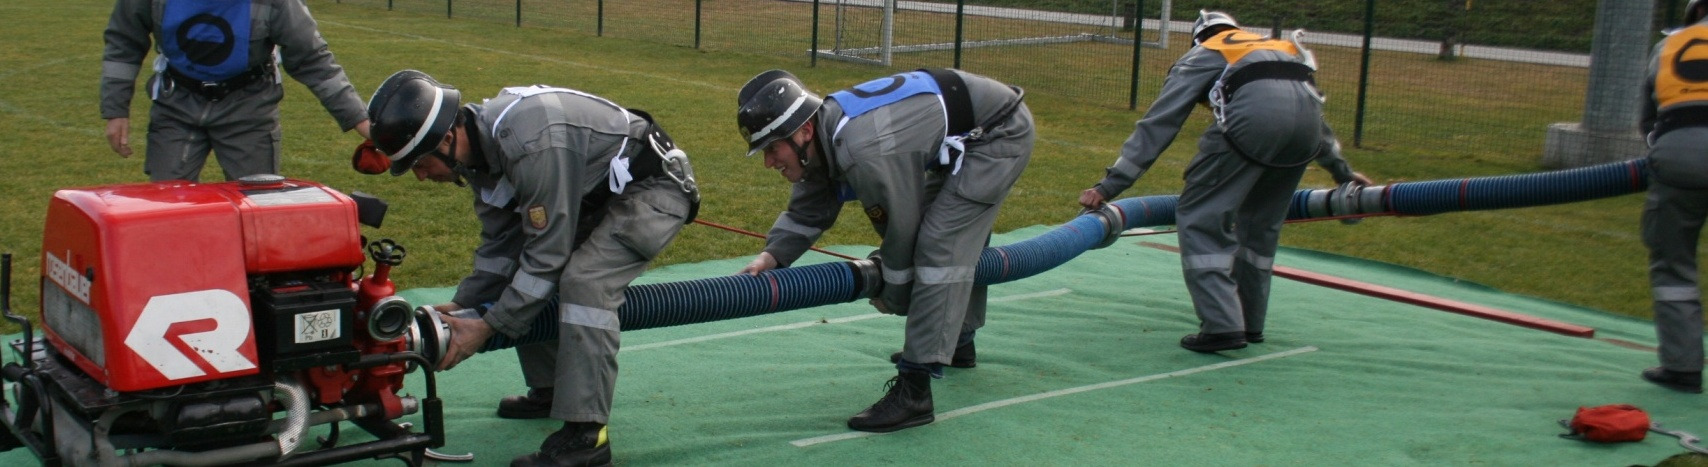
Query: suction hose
point(739, 296)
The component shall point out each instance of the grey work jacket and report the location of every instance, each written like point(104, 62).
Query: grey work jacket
point(814, 203)
point(549, 149)
point(135, 27)
point(1189, 82)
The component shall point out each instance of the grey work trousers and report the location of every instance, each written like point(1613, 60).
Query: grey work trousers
point(1672, 225)
point(241, 129)
point(1230, 218)
point(639, 224)
point(952, 215)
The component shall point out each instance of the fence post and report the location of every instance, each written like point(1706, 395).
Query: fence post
point(1364, 73)
point(600, 25)
point(448, 8)
point(812, 59)
point(387, 5)
point(960, 17)
point(518, 13)
point(1130, 22)
point(1138, 44)
point(697, 24)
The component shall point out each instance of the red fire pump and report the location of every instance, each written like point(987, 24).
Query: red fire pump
point(213, 324)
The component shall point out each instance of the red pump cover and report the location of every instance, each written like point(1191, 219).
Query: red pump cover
point(146, 286)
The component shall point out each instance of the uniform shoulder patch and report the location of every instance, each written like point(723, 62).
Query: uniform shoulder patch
point(537, 216)
point(877, 214)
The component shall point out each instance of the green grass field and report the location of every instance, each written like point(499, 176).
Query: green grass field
point(51, 137)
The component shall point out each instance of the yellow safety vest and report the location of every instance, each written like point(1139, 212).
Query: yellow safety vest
point(1683, 74)
point(1234, 44)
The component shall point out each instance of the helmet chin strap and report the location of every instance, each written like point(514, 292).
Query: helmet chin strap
point(800, 151)
point(462, 171)
point(800, 155)
point(456, 167)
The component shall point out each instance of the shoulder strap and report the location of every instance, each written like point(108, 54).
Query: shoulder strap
point(957, 99)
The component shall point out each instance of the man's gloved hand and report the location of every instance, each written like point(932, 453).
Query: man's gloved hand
point(369, 160)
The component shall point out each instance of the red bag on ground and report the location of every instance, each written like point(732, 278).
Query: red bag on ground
point(1609, 424)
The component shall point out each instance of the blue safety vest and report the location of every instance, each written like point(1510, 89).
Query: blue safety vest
point(206, 39)
point(884, 91)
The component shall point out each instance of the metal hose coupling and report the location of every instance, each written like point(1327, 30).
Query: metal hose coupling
point(1343, 201)
point(868, 276)
point(428, 335)
point(1114, 222)
point(1348, 199)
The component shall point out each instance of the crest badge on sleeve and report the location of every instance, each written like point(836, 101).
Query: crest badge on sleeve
point(537, 216)
point(877, 214)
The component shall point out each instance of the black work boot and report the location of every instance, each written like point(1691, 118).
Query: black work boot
point(577, 444)
point(907, 404)
point(1681, 381)
point(1213, 342)
point(537, 403)
point(966, 356)
point(1254, 337)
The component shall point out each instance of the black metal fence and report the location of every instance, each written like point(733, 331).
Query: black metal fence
point(1457, 76)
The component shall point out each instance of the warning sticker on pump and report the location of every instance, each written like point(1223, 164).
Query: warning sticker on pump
point(317, 326)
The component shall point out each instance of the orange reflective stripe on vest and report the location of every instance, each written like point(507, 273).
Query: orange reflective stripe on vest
point(1683, 74)
point(1234, 44)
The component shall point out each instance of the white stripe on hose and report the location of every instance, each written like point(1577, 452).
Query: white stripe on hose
point(438, 98)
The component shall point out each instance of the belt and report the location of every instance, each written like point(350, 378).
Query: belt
point(1291, 71)
point(216, 90)
point(656, 157)
point(1683, 117)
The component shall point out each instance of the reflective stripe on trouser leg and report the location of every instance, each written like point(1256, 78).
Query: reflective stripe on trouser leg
point(1672, 223)
point(592, 287)
point(586, 373)
point(957, 229)
point(1258, 228)
point(1205, 217)
point(1678, 328)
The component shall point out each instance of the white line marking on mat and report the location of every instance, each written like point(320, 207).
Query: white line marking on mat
point(1063, 392)
point(849, 319)
point(752, 331)
point(1029, 296)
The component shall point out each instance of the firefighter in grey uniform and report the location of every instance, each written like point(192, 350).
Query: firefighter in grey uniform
point(215, 85)
point(1268, 126)
point(930, 155)
point(564, 164)
point(1675, 114)
point(495, 263)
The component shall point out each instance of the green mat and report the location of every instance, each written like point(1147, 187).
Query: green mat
point(1080, 366)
